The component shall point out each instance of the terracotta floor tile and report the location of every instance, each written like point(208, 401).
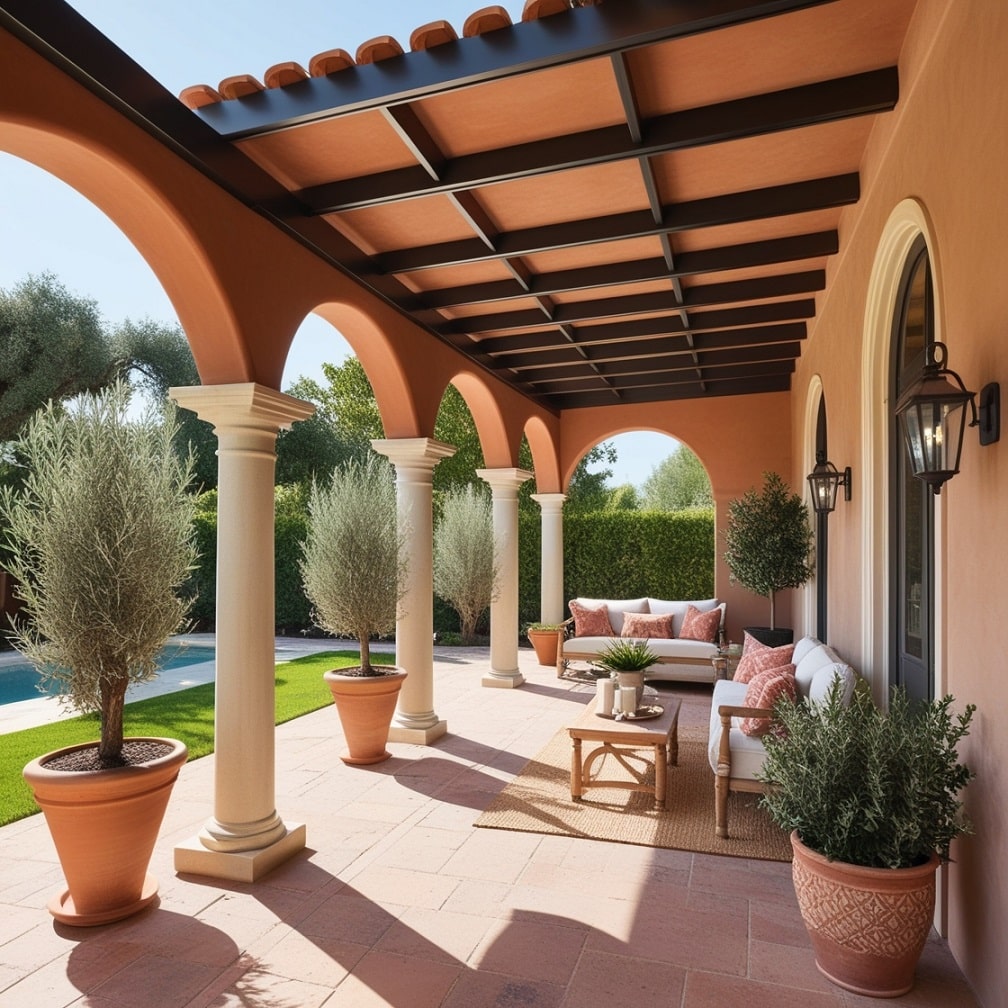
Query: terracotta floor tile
point(400, 901)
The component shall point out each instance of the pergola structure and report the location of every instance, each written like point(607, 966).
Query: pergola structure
point(689, 217)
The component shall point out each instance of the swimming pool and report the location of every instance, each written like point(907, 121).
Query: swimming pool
point(19, 680)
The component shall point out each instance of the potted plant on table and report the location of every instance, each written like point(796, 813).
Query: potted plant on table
point(871, 798)
point(626, 661)
point(354, 573)
point(769, 542)
point(99, 542)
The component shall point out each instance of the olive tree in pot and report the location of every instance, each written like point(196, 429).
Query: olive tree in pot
point(769, 542)
point(871, 799)
point(99, 542)
point(354, 572)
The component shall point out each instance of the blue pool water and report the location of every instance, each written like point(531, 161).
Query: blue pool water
point(20, 681)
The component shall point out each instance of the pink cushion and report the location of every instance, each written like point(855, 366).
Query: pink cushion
point(700, 626)
point(765, 689)
point(757, 657)
point(646, 625)
point(590, 622)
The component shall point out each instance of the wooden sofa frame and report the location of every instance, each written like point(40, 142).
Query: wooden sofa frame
point(723, 780)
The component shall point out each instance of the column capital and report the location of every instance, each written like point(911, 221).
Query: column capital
point(504, 479)
point(550, 501)
point(419, 452)
point(242, 404)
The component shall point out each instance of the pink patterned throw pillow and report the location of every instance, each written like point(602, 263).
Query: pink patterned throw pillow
point(765, 689)
point(590, 622)
point(757, 657)
point(647, 625)
point(700, 626)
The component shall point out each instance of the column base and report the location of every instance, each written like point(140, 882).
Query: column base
point(417, 735)
point(503, 680)
point(192, 858)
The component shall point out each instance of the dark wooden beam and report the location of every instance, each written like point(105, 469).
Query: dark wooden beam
point(731, 208)
point(538, 44)
point(827, 101)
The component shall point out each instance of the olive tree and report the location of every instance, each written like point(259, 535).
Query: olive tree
point(354, 561)
point(769, 540)
point(99, 540)
point(465, 569)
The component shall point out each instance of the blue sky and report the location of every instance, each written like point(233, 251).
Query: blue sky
point(192, 42)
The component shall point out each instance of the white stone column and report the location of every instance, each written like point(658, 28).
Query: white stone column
point(245, 838)
point(504, 484)
point(551, 593)
point(414, 460)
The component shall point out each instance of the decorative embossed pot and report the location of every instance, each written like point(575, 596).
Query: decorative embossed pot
point(868, 925)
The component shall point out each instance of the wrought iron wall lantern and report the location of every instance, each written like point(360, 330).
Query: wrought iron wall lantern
point(824, 481)
point(932, 416)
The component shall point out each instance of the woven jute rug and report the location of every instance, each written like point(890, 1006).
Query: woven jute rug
point(538, 800)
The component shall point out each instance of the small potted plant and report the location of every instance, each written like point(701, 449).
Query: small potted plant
point(626, 661)
point(545, 638)
point(769, 542)
point(871, 799)
point(354, 573)
point(99, 542)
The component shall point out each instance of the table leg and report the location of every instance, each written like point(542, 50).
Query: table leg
point(576, 789)
point(661, 776)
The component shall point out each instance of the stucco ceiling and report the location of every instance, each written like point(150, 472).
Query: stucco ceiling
point(630, 202)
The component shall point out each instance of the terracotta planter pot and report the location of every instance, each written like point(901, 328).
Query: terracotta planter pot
point(104, 824)
point(868, 925)
point(546, 643)
point(365, 705)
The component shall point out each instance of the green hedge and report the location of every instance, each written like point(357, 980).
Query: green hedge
point(623, 554)
point(607, 554)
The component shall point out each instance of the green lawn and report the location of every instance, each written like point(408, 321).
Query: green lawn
point(187, 715)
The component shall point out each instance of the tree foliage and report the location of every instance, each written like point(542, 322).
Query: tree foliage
point(52, 346)
point(769, 540)
point(465, 569)
point(354, 565)
point(677, 483)
point(99, 542)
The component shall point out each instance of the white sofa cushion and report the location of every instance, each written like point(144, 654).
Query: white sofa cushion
point(823, 680)
point(616, 609)
point(806, 667)
point(747, 752)
point(699, 651)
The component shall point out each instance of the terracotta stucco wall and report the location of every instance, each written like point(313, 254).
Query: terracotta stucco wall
point(945, 147)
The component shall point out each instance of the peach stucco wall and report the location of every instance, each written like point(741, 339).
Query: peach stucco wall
point(945, 147)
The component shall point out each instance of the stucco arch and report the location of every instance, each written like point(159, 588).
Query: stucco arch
point(906, 223)
point(156, 228)
point(499, 432)
point(389, 377)
point(545, 456)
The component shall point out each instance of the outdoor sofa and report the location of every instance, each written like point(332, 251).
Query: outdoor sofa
point(741, 709)
point(679, 658)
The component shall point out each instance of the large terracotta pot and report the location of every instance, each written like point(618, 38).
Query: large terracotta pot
point(868, 925)
point(104, 824)
point(546, 643)
point(365, 705)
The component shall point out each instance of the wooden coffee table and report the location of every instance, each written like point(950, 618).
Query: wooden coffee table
point(617, 737)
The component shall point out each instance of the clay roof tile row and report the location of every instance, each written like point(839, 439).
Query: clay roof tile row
point(382, 47)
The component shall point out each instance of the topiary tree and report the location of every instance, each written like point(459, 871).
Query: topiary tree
point(769, 540)
point(354, 565)
point(465, 569)
point(99, 541)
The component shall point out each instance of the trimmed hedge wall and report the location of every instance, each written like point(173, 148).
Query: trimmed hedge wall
point(623, 554)
point(607, 554)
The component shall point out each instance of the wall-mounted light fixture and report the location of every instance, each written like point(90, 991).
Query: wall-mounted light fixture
point(932, 416)
point(824, 481)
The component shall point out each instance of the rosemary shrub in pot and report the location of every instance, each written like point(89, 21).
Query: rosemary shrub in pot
point(99, 542)
point(872, 800)
point(354, 572)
